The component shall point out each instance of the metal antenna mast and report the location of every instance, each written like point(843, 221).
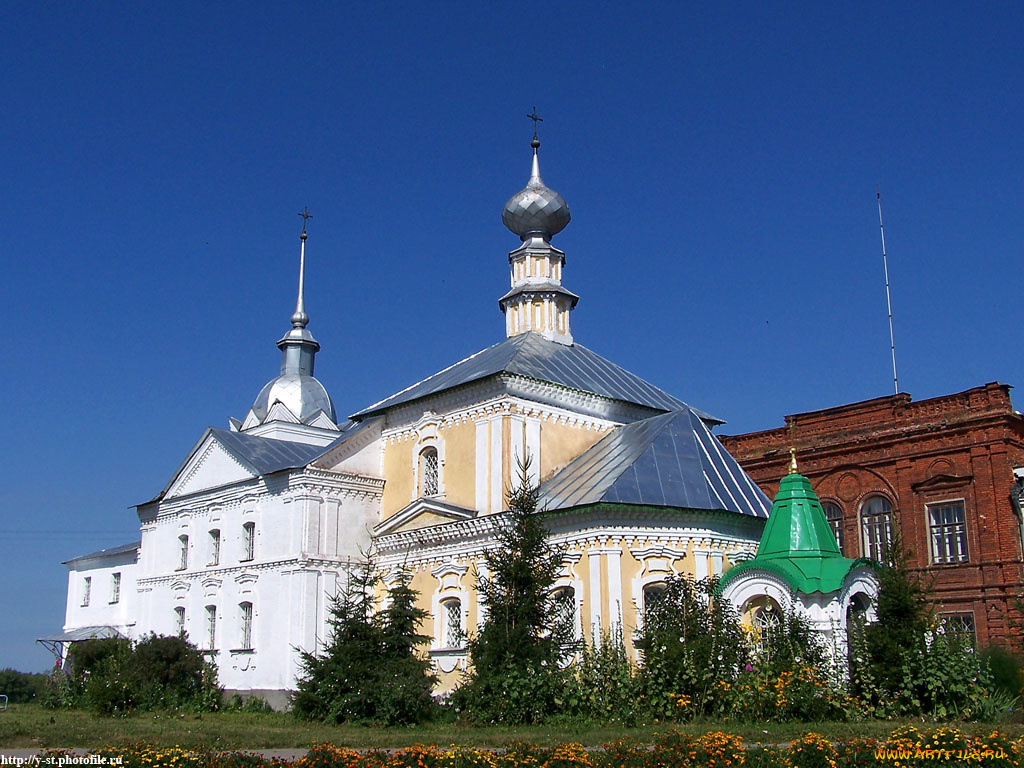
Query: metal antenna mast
point(888, 300)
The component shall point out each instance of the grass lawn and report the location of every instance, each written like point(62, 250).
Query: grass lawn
point(29, 726)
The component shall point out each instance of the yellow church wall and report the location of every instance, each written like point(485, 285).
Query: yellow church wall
point(398, 477)
point(459, 464)
point(561, 443)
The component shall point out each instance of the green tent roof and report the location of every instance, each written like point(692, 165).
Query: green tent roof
point(798, 544)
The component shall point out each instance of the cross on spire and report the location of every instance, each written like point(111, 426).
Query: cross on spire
point(533, 116)
point(306, 216)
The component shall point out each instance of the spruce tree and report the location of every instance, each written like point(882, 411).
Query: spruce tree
point(369, 671)
point(516, 653)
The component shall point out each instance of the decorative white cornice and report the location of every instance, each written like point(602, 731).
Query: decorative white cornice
point(457, 404)
point(577, 530)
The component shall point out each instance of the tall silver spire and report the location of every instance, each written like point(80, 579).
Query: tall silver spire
point(300, 319)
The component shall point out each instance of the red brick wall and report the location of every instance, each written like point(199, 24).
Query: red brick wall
point(961, 446)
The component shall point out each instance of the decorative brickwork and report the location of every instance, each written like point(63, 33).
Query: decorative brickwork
point(945, 465)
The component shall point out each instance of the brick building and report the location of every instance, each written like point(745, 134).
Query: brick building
point(941, 471)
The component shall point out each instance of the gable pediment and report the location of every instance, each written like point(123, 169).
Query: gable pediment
point(210, 466)
point(423, 513)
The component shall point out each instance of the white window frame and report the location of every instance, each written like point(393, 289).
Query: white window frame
point(86, 591)
point(183, 552)
point(246, 613)
point(211, 627)
point(214, 547)
point(428, 453)
point(115, 587)
point(179, 612)
point(248, 541)
point(962, 556)
point(453, 634)
point(867, 550)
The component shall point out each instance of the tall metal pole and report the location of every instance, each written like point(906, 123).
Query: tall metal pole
point(888, 300)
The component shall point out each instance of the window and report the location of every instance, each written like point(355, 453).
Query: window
point(563, 600)
point(428, 472)
point(86, 590)
point(653, 594)
point(180, 619)
point(948, 532)
point(767, 620)
point(211, 626)
point(183, 559)
point(248, 541)
point(961, 624)
point(451, 623)
point(246, 611)
point(834, 515)
point(115, 587)
point(214, 547)
point(876, 527)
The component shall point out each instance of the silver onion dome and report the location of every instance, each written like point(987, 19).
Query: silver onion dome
point(301, 394)
point(537, 209)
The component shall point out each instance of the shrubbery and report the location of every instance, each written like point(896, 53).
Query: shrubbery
point(21, 687)
point(116, 677)
point(370, 670)
point(529, 631)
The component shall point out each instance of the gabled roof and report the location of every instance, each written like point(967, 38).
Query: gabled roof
point(263, 455)
point(108, 552)
point(531, 355)
point(669, 460)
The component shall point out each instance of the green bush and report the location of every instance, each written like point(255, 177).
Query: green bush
point(603, 685)
point(116, 677)
point(692, 643)
point(21, 687)
point(370, 671)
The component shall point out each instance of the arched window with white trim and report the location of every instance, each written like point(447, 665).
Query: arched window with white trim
point(428, 472)
point(452, 632)
point(876, 527)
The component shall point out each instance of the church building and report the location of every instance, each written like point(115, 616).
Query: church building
point(246, 544)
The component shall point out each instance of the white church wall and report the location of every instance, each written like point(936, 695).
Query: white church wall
point(102, 609)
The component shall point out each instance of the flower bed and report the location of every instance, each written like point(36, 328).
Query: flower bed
point(905, 747)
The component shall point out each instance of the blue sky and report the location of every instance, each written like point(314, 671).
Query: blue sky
point(720, 162)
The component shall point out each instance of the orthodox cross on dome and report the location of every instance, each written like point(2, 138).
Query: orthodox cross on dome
point(536, 119)
point(306, 216)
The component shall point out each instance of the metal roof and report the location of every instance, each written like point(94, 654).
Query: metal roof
point(264, 455)
point(530, 354)
point(109, 552)
point(669, 460)
point(81, 633)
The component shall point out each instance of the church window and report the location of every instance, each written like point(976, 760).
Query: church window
point(214, 547)
point(948, 532)
point(248, 541)
point(428, 470)
point(183, 552)
point(451, 623)
point(86, 590)
point(834, 515)
point(211, 626)
point(115, 587)
point(654, 593)
point(564, 601)
point(179, 616)
point(246, 615)
point(767, 621)
point(876, 527)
